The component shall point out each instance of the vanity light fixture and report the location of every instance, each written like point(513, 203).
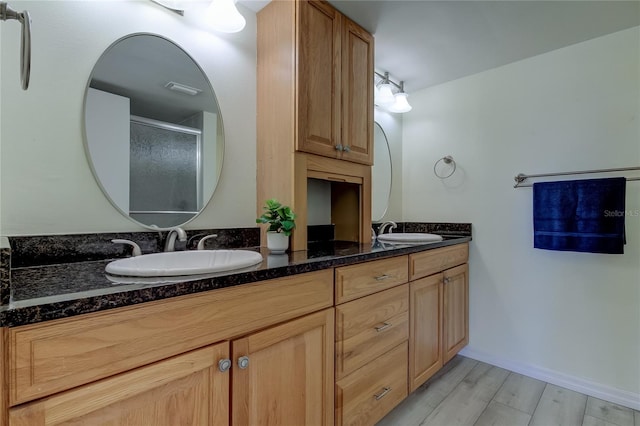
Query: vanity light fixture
point(384, 96)
point(401, 104)
point(223, 16)
point(173, 5)
point(182, 88)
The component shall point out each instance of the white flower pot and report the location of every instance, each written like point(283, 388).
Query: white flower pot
point(277, 242)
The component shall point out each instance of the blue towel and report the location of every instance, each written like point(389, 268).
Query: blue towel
point(580, 215)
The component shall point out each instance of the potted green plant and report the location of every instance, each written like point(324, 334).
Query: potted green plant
point(281, 220)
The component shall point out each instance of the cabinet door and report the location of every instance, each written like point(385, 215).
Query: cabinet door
point(288, 375)
point(357, 93)
point(319, 78)
point(456, 311)
point(184, 390)
point(425, 325)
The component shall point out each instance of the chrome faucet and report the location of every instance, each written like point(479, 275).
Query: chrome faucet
point(170, 244)
point(383, 227)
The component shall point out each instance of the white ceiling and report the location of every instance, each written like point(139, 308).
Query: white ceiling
point(426, 43)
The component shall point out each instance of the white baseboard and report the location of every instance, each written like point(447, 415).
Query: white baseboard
point(607, 393)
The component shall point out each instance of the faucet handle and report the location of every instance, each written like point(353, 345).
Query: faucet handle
point(136, 247)
point(203, 239)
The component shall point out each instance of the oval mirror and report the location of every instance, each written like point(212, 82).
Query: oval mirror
point(380, 174)
point(153, 131)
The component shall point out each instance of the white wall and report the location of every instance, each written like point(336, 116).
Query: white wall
point(573, 316)
point(46, 184)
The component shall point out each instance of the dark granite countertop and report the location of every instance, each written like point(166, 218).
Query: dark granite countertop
point(43, 293)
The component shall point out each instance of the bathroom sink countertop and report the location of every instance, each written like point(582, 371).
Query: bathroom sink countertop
point(50, 292)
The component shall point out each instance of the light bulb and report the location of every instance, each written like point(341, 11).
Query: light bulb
point(223, 16)
point(401, 104)
point(385, 95)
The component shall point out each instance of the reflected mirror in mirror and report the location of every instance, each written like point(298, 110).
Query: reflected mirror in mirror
point(380, 174)
point(153, 131)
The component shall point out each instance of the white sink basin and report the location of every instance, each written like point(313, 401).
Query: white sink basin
point(183, 263)
point(409, 238)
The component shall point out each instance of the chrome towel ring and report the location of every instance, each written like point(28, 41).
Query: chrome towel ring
point(25, 40)
point(447, 160)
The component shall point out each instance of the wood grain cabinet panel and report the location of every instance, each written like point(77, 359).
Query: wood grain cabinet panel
point(425, 331)
point(437, 260)
point(456, 311)
point(186, 390)
point(366, 395)
point(357, 93)
point(288, 379)
point(368, 327)
point(360, 280)
point(58, 355)
point(319, 78)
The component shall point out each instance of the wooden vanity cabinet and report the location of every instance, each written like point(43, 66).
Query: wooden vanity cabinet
point(372, 315)
point(282, 375)
point(296, 358)
point(439, 309)
point(158, 363)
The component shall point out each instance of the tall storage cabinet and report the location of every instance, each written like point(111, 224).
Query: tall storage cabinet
point(315, 110)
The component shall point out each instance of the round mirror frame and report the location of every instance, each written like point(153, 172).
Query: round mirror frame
point(388, 194)
point(220, 134)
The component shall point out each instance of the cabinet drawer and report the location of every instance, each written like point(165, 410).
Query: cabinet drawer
point(58, 355)
point(360, 280)
point(368, 394)
point(369, 327)
point(437, 260)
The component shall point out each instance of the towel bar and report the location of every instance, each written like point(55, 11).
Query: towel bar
point(520, 178)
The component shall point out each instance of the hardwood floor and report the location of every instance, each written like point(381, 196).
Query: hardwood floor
point(471, 393)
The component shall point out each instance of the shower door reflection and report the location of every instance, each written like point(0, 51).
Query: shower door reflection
point(165, 172)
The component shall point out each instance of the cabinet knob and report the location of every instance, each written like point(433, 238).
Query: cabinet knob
point(243, 362)
point(346, 148)
point(446, 280)
point(224, 364)
point(339, 147)
point(382, 394)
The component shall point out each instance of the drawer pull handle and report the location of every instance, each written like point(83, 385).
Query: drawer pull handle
point(382, 394)
point(382, 327)
point(382, 277)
